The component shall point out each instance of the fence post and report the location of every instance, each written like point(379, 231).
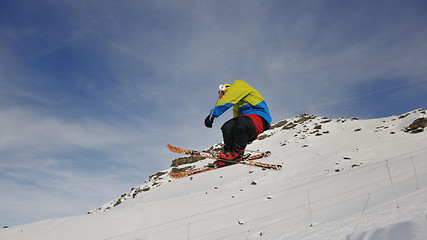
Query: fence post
point(415, 172)
point(309, 207)
point(392, 185)
point(366, 204)
point(363, 212)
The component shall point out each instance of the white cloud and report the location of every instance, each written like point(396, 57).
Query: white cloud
point(28, 130)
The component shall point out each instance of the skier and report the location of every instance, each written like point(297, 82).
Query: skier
point(251, 117)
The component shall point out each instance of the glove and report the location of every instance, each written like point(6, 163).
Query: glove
point(209, 121)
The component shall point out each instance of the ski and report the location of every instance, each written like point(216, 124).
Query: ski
point(191, 172)
point(247, 161)
point(194, 171)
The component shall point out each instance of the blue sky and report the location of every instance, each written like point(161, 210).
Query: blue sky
point(92, 91)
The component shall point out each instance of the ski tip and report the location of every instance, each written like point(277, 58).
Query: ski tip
point(170, 147)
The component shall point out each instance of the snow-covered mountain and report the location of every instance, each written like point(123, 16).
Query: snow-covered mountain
point(341, 179)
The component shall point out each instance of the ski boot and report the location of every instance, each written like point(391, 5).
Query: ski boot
point(230, 154)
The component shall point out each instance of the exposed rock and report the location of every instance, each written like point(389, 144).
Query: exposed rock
point(279, 124)
point(177, 170)
point(304, 117)
point(404, 115)
point(417, 126)
point(326, 121)
point(186, 160)
point(289, 126)
point(117, 203)
point(157, 175)
point(263, 136)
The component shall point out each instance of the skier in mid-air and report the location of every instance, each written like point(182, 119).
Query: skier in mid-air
point(251, 117)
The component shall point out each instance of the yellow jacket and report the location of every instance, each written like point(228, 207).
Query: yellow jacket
point(244, 99)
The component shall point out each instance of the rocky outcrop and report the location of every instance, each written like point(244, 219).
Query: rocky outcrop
point(185, 160)
point(417, 126)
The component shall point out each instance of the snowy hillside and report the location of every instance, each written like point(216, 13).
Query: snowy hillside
point(341, 179)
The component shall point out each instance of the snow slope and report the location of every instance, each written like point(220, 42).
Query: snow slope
point(341, 179)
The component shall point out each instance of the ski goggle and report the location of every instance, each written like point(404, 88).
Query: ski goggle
point(222, 89)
